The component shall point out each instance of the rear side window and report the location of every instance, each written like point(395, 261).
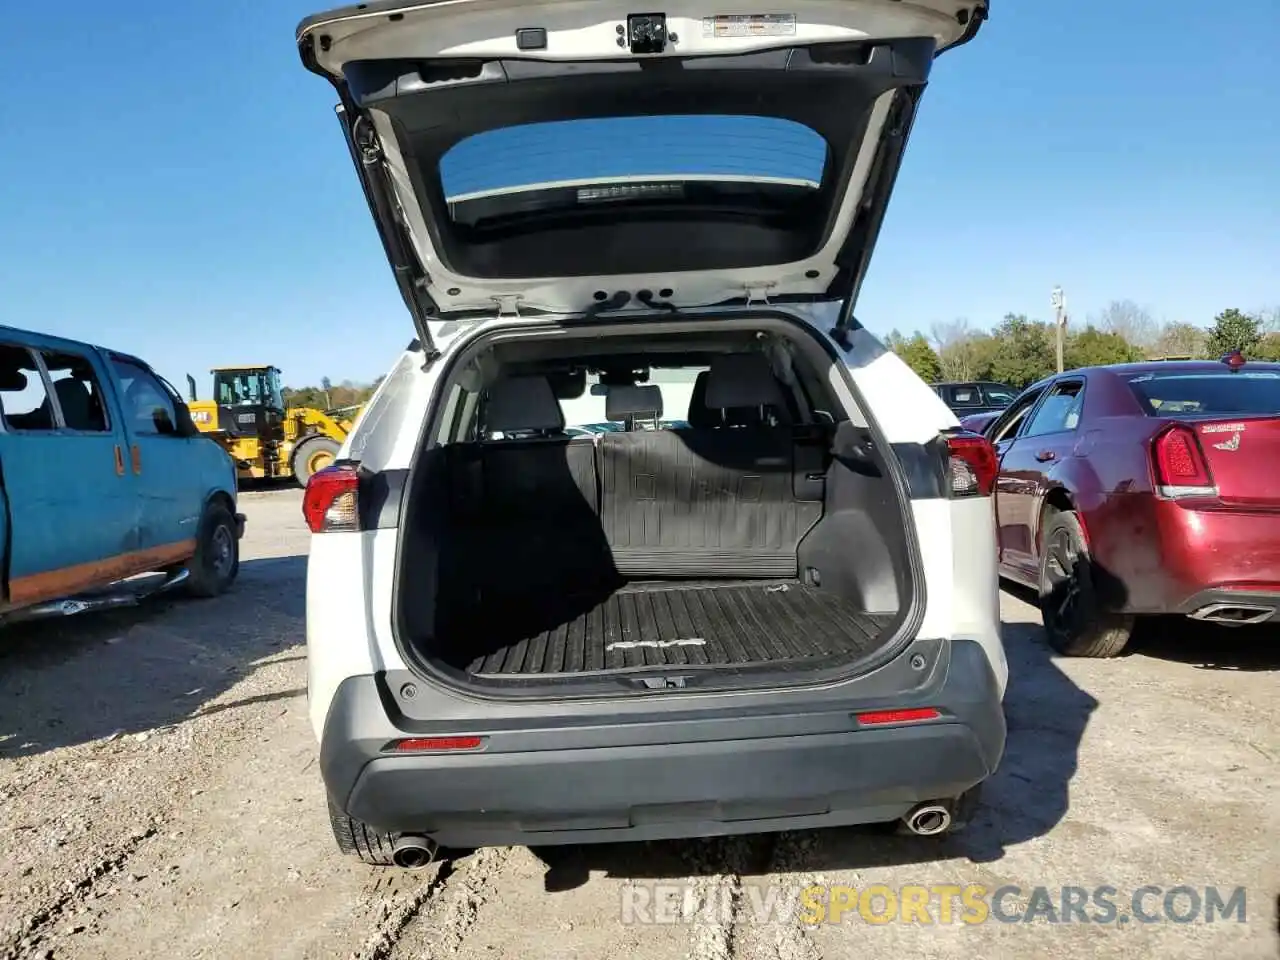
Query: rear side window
point(78, 392)
point(1207, 394)
point(1059, 412)
point(966, 396)
point(23, 397)
point(1008, 423)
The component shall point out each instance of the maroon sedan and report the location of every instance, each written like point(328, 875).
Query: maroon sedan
point(1144, 488)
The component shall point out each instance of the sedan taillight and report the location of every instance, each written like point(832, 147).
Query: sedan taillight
point(1179, 464)
point(330, 504)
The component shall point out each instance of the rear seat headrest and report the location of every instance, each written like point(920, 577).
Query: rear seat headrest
point(522, 403)
point(700, 415)
point(626, 402)
point(742, 380)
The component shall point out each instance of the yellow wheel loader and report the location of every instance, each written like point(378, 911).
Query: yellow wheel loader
point(267, 440)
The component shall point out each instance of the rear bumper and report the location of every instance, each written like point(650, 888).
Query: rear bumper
point(1200, 556)
point(691, 777)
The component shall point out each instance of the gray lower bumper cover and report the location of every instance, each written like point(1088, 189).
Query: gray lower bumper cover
point(694, 777)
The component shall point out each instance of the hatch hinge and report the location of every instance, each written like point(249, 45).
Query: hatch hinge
point(758, 292)
point(367, 141)
point(508, 304)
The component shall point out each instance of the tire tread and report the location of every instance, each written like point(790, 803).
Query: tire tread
point(1109, 633)
point(358, 839)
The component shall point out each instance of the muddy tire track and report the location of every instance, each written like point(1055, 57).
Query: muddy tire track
point(394, 899)
point(431, 920)
point(784, 936)
point(713, 905)
point(743, 902)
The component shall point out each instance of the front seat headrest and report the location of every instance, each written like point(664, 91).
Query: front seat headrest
point(627, 402)
point(522, 403)
point(742, 380)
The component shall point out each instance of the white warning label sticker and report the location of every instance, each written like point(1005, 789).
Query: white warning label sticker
point(750, 25)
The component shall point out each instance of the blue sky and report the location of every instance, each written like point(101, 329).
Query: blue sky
point(176, 184)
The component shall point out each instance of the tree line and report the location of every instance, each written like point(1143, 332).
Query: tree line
point(1019, 351)
point(327, 396)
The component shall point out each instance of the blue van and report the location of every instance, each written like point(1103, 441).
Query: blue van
point(103, 476)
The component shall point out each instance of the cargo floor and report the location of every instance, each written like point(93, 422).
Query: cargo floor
point(644, 625)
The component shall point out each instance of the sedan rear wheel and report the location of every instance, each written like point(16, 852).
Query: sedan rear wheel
point(1075, 620)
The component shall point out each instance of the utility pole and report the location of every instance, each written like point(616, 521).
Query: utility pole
point(1059, 301)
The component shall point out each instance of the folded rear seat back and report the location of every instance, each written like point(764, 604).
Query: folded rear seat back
point(710, 501)
point(526, 510)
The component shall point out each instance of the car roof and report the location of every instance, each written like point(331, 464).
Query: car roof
point(1190, 366)
point(35, 340)
point(1157, 366)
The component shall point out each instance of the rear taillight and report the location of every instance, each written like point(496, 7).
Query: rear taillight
point(330, 504)
point(1179, 465)
point(971, 465)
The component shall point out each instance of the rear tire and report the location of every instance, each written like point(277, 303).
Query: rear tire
point(312, 455)
point(1076, 621)
point(356, 838)
point(216, 562)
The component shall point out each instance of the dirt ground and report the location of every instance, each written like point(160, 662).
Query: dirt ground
point(159, 798)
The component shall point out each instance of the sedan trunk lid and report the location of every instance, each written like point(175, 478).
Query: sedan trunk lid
point(1242, 455)
point(1223, 438)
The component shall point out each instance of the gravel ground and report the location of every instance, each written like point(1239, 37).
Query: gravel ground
point(161, 799)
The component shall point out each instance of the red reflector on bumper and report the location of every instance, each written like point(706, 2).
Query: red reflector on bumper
point(897, 716)
point(418, 744)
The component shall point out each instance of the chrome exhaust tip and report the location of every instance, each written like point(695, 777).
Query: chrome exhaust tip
point(1233, 614)
point(928, 819)
point(413, 852)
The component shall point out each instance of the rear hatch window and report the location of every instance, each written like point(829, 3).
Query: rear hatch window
point(763, 163)
point(536, 186)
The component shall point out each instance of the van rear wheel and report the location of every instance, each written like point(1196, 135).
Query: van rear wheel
point(216, 562)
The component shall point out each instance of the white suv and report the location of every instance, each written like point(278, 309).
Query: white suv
point(773, 607)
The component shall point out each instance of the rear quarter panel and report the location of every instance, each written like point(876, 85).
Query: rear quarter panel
point(1108, 482)
point(350, 583)
point(957, 538)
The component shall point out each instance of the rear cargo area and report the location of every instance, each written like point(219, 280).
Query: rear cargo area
point(733, 623)
point(743, 538)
